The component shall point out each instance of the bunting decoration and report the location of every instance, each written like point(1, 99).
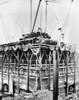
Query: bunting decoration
point(26, 47)
point(14, 48)
point(35, 50)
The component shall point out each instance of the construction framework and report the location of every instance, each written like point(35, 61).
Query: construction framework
point(36, 63)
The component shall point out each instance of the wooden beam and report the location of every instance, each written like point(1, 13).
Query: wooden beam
point(28, 72)
point(55, 74)
point(8, 71)
point(49, 69)
point(74, 73)
point(18, 72)
point(40, 63)
point(36, 78)
point(2, 72)
point(66, 75)
point(2, 77)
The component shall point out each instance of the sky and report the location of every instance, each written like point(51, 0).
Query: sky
point(15, 19)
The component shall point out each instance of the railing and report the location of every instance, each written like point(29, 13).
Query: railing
point(34, 71)
point(33, 67)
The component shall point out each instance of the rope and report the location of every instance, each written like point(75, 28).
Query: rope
point(67, 17)
point(4, 29)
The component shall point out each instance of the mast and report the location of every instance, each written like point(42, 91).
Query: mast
point(36, 15)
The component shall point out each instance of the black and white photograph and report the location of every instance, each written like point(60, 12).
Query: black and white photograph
point(39, 49)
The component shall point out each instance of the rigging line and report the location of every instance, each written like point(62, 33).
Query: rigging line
point(53, 12)
point(67, 17)
point(21, 27)
point(7, 37)
point(54, 15)
point(4, 29)
point(6, 2)
point(7, 33)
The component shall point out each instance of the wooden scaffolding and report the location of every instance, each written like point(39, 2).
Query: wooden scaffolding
point(36, 62)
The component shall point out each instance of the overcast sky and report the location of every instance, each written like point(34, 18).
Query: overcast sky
point(15, 19)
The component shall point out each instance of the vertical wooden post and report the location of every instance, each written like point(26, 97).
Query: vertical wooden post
point(49, 70)
point(18, 72)
point(67, 75)
point(55, 74)
point(36, 77)
point(74, 74)
point(40, 70)
point(28, 73)
point(8, 71)
point(63, 67)
point(10, 82)
point(2, 72)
